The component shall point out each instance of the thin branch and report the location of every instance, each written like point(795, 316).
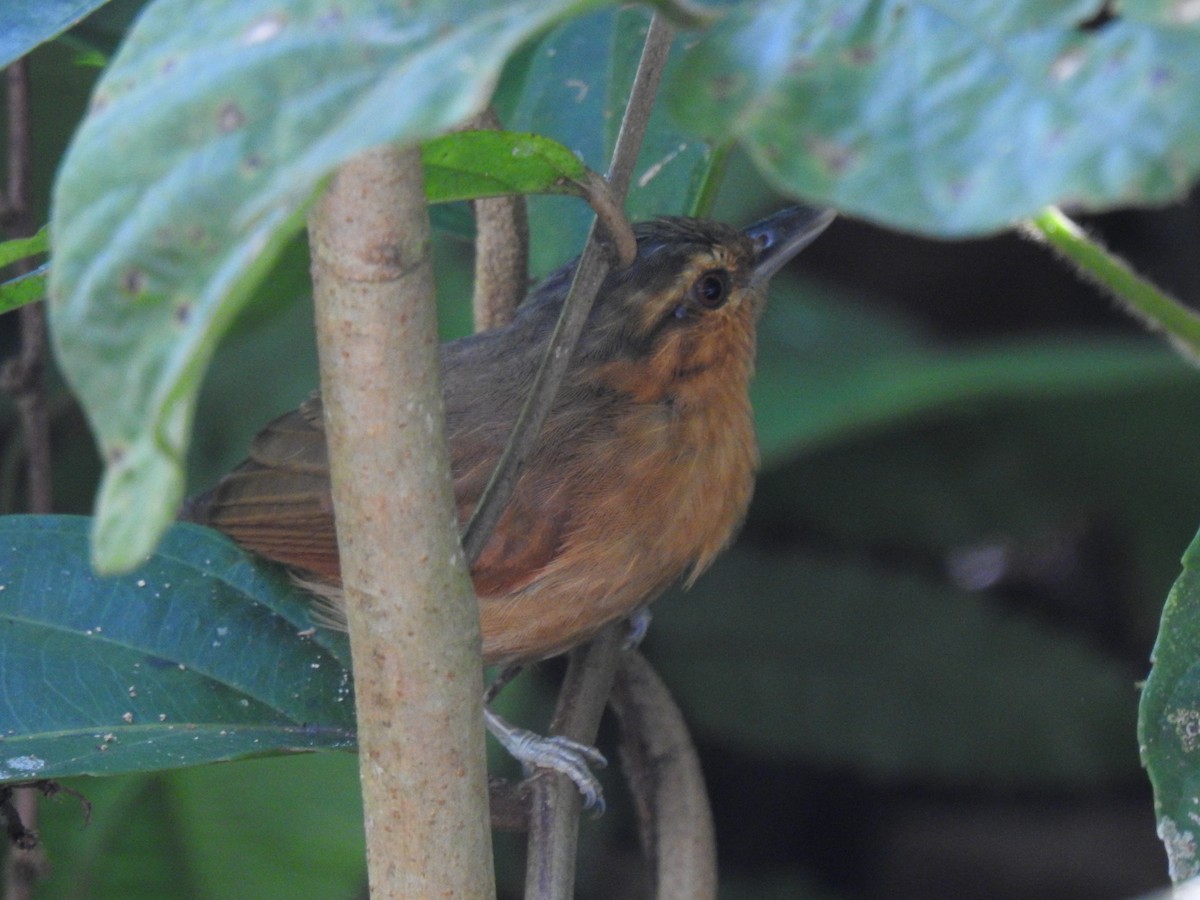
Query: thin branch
point(555, 805)
point(589, 275)
point(509, 803)
point(593, 266)
point(24, 378)
point(1139, 296)
point(662, 766)
point(18, 201)
point(646, 80)
point(688, 15)
point(501, 259)
point(411, 613)
point(554, 819)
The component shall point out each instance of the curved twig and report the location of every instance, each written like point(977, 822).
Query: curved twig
point(660, 762)
point(611, 216)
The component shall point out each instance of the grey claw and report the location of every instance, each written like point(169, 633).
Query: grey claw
point(639, 624)
point(559, 754)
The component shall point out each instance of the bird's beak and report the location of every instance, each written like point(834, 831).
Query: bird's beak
point(781, 236)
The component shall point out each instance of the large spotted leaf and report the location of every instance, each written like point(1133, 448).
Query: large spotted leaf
point(193, 169)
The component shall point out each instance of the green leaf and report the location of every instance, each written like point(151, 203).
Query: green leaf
point(23, 248)
point(1169, 721)
point(192, 171)
point(472, 164)
point(951, 123)
point(1167, 12)
point(262, 813)
point(173, 834)
point(831, 366)
point(841, 662)
point(23, 289)
point(26, 23)
point(29, 286)
point(201, 654)
point(572, 86)
point(134, 838)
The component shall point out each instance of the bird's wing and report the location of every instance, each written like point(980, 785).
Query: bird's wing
point(528, 535)
point(278, 503)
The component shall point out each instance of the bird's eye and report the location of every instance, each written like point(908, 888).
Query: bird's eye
point(712, 288)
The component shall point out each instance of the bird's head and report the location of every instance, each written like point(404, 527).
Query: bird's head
point(684, 312)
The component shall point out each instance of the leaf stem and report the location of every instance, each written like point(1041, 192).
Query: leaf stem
point(555, 803)
point(1141, 298)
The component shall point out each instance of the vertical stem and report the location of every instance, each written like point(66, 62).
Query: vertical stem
point(411, 612)
point(501, 248)
point(501, 259)
point(555, 804)
point(24, 377)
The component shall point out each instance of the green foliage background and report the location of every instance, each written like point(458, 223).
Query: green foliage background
point(977, 483)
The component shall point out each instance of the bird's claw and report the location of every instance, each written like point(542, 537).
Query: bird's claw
point(569, 757)
point(639, 624)
point(559, 754)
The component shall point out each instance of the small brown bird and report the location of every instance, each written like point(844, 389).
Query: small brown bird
point(643, 470)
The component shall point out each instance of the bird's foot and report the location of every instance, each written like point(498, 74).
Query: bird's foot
point(560, 754)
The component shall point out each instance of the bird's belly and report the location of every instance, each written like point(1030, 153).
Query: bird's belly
point(683, 493)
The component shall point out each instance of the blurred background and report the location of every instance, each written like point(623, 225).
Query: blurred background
point(914, 675)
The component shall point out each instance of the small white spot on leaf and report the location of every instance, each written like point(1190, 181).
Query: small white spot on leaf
point(263, 30)
point(580, 87)
point(1187, 727)
point(26, 763)
point(1181, 850)
point(1187, 11)
point(1067, 64)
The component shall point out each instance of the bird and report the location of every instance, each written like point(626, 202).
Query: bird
point(642, 472)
